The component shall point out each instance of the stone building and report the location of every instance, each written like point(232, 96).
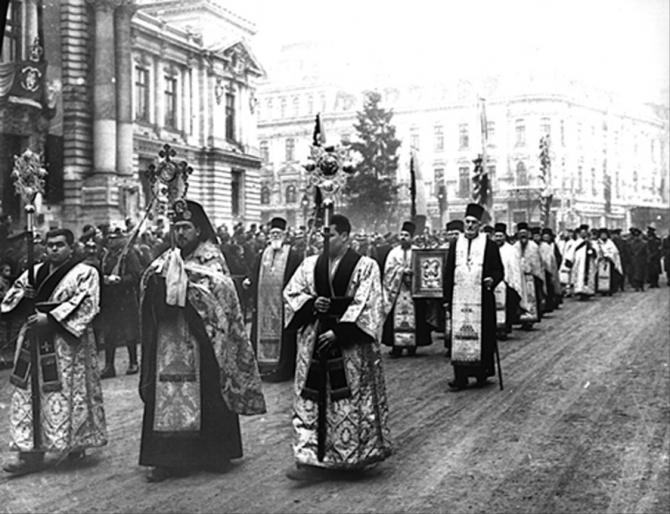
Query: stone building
point(609, 157)
point(125, 77)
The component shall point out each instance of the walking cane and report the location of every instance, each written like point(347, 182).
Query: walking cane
point(500, 376)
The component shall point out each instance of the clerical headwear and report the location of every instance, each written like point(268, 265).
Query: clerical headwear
point(278, 222)
point(535, 231)
point(584, 226)
point(408, 226)
point(500, 227)
point(475, 210)
point(193, 212)
point(522, 225)
point(602, 231)
point(547, 231)
point(487, 229)
point(456, 225)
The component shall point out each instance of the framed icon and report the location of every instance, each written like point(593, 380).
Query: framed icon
point(428, 272)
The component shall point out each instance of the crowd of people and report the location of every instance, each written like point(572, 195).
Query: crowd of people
point(216, 312)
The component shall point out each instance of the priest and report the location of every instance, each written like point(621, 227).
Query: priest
point(473, 271)
point(507, 292)
point(608, 262)
point(198, 370)
point(583, 266)
point(274, 266)
point(340, 410)
point(532, 279)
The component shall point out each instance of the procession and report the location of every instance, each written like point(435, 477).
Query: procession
point(239, 273)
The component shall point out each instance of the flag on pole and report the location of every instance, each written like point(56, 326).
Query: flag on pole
point(319, 137)
point(412, 186)
point(483, 122)
point(546, 195)
point(480, 183)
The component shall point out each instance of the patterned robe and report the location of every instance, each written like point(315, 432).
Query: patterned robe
point(533, 286)
point(73, 417)
point(609, 266)
point(198, 368)
point(507, 292)
point(357, 427)
point(584, 268)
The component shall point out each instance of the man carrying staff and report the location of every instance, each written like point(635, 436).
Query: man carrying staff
point(274, 266)
point(61, 411)
point(473, 271)
point(340, 409)
point(198, 369)
point(405, 327)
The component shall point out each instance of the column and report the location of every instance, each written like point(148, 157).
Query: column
point(30, 28)
point(124, 89)
point(104, 89)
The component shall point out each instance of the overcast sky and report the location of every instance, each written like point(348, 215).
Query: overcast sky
point(622, 45)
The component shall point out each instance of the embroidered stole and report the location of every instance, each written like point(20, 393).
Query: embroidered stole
point(500, 293)
point(604, 271)
point(404, 324)
point(529, 312)
point(466, 346)
point(270, 315)
point(177, 407)
point(47, 362)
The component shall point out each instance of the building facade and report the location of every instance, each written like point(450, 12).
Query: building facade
point(126, 77)
point(609, 159)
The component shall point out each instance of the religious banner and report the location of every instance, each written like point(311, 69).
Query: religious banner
point(428, 272)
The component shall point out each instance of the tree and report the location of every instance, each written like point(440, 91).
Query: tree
point(371, 191)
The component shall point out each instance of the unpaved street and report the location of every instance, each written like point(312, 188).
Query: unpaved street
point(583, 425)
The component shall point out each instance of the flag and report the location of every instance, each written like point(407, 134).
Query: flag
point(480, 183)
point(545, 191)
point(319, 137)
point(483, 122)
point(412, 186)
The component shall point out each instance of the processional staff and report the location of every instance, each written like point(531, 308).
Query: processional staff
point(28, 175)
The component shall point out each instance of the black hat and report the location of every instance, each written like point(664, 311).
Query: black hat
point(522, 225)
point(278, 222)
point(500, 227)
point(603, 231)
point(547, 230)
point(635, 230)
point(192, 211)
point(475, 210)
point(583, 226)
point(456, 225)
point(487, 229)
point(408, 226)
point(535, 231)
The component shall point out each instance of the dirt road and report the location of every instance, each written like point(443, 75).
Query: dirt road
point(583, 425)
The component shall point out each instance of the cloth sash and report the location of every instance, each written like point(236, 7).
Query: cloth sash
point(47, 361)
point(404, 324)
point(603, 284)
point(529, 312)
point(176, 279)
point(466, 347)
point(270, 315)
point(500, 293)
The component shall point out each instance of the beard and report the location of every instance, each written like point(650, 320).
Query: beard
point(276, 244)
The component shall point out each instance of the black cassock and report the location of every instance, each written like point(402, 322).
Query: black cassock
point(493, 267)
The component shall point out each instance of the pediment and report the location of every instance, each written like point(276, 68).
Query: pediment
point(240, 58)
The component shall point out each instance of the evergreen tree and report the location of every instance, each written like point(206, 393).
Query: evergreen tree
point(371, 191)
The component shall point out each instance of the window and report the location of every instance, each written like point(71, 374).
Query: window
point(580, 180)
point(490, 131)
point(594, 187)
point(439, 138)
point(439, 179)
point(290, 148)
point(230, 116)
point(414, 138)
point(296, 107)
point(265, 195)
point(236, 192)
point(265, 150)
point(170, 101)
point(491, 173)
point(520, 130)
point(521, 174)
point(545, 127)
point(346, 138)
point(310, 104)
point(268, 108)
point(291, 194)
point(562, 133)
point(635, 182)
point(463, 137)
point(141, 93)
point(616, 184)
point(11, 42)
point(282, 107)
point(464, 182)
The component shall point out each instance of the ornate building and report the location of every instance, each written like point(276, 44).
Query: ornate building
point(609, 158)
point(126, 77)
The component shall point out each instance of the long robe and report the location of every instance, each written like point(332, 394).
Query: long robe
point(532, 281)
point(608, 261)
point(406, 323)
point(198, 368)
point(637, 274)
point(653, 259)
point(507, 292)
point(565, 273)
point(72, 416)
point(552, 281)
point(584, 268)
point(357, 427)
point(475, 296)
point(277, 348)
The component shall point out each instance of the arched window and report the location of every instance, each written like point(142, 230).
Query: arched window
point(291, 194)
point(521, 174)
point(265, 195)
